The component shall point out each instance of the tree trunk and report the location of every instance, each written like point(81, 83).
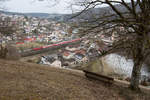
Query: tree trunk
point(136, 72)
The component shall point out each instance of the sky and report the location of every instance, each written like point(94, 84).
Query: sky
point(40, 6)
point(28, 6)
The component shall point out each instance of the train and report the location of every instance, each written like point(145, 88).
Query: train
point(54, 45)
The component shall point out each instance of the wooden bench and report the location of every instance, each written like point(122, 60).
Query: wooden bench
point(99, 77)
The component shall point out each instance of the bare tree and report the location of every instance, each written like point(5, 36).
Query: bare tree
point(135, 19)
point(7, 28)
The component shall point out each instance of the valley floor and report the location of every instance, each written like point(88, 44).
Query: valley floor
point(25, 81)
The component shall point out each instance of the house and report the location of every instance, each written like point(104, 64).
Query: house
point(68, 55)
point(50, 60)
point(44, 61)
point(92, 53)
point(78, 56)
point(83, 52)
point(57, 63)
point(85, 60)
point(71, 49)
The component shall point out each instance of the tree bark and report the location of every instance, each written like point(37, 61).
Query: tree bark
point(136, 72)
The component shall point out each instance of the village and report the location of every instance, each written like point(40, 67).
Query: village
point(36, 32)
point(74, 49)
point(58, 43)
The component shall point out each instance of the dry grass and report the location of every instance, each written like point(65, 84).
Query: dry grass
point(24, 81)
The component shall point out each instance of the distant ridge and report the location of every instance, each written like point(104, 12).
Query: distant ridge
point(54, 17)
point(41, 15)
point(88, 15)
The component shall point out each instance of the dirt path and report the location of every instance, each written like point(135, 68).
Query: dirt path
point(24, 81)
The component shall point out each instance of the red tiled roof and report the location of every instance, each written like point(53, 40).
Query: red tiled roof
point(66, 53)
point(80, 51)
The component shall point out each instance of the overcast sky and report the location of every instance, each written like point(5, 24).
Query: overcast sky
point(42, 6)
point(37, 6)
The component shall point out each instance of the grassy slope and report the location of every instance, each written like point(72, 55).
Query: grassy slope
point(24, 81)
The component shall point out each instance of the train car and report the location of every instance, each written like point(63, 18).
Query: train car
point(40, 48)
point(19, 42)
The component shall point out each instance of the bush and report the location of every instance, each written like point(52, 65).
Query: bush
point(3, 51)
point(12, 53)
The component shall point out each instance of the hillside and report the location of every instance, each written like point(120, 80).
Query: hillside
point(56, 17)
point(24, 81)
point(87, 15)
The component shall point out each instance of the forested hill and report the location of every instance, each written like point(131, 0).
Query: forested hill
point(87, 15)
